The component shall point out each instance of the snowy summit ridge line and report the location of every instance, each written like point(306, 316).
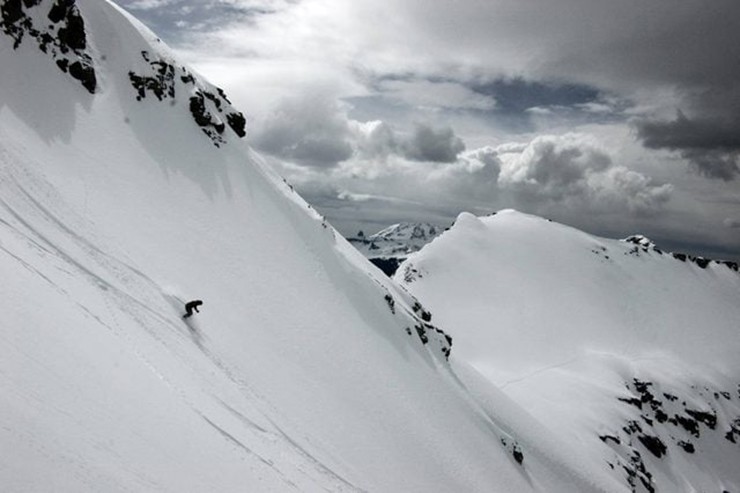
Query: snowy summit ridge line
point(628, 351)
point(646, 245)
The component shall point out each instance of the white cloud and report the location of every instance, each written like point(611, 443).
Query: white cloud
point(432, 145)
point(620, 185)
point(549, 174)
point(308, 130)
point(315, 130)
point(149, 4)
point(539, 110)
point(554, 166)
point(574, 170)
point(354, 197)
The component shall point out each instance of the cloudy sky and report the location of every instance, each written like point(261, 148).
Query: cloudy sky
point(616, 117)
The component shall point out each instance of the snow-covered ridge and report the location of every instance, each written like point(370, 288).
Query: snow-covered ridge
point(647, 245)
point(613, 344)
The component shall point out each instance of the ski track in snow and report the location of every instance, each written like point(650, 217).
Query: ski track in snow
point(114, 280)
point(537, 372)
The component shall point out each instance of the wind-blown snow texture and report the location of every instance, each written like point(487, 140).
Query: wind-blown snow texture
point(623, 351)
point(306, 370)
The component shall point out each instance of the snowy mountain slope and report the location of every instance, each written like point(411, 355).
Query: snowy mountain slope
point(391, 246)
point(306, 369)
point(397, 240)
point(627, 351)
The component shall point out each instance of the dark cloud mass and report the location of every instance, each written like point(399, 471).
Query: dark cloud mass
point(683, 133)
point(308, 130)
point(731, 223)
point(712, 146)
point(517, 95)
point(437, 146)
point(314, 130)
point(660, 54)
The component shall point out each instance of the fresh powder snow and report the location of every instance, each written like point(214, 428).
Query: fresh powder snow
point(126, 190)
point(617, 348)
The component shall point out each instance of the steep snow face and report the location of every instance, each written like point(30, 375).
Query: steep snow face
point(615, 345)
point(305, 369)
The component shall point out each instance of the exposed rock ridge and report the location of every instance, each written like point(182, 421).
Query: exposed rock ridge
point(646, 245)
point(669, 422)
point(212, 112)
point(59, 31)
point(421, 321)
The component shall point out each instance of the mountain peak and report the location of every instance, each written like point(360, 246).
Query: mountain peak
point(611, 341)
point(144, 70)
point(407, 231)
point(640, 240)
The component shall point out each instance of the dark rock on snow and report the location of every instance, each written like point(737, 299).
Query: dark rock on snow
point(64, 40)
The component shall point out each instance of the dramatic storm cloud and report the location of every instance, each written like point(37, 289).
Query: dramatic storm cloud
point(711, 145)
point(308, 130)
point(315, 131)
point(616, 117)
point(573, 169)
point(428, 144)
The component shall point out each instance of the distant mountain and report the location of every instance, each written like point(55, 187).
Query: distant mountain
point(625, 351)
point(389, 247)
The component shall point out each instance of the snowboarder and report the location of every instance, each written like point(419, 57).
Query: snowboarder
point(190, 306)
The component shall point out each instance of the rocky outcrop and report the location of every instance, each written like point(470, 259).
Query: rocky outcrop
point(668, 424)
point(420, 319)
point(210, 110)
point(645, 245)
point(57, 28)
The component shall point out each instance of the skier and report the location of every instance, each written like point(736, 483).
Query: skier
point(190, 306)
